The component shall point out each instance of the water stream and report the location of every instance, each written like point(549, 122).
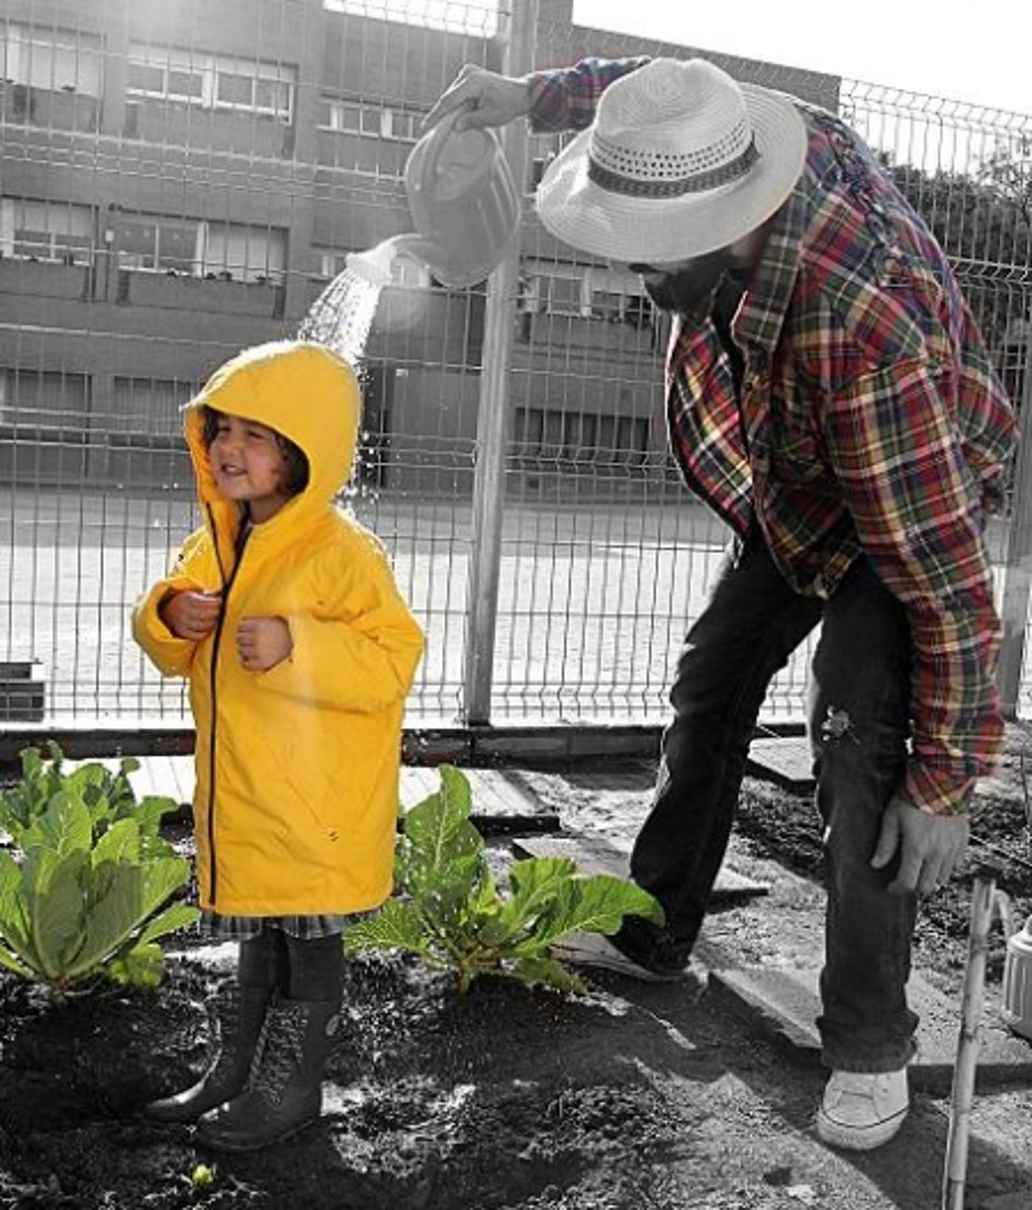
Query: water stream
point(342, 315)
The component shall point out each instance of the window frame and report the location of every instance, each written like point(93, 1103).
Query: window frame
point(209, 68)
point(18, 43)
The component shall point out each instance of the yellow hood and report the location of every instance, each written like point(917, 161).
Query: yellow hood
point(302, 390)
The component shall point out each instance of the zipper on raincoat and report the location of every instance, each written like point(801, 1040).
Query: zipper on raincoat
point(227, 584)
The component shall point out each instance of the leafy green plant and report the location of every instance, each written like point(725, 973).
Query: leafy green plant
point(81, 891)
point(449, 912)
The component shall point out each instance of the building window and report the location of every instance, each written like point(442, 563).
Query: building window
point(584, 439)
point(561, 294)
point(148, 405)
point(199, 248)
point(52, 60)
point(591, 292)
point(46, 231)
point(212, 81)
point(44, 398)
point(375, 120)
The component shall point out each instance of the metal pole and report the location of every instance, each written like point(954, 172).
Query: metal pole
point(493, 414)
point(1018, 571)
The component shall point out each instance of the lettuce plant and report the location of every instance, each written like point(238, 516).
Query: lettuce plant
point(81, 890)
point(448, 910)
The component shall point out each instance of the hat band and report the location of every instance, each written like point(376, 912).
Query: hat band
point(698, 182)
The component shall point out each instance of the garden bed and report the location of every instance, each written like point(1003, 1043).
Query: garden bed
point(506, 1098)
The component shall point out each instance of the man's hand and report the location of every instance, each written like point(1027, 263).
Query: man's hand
point(191, 615)
point(931, 847)
point(490, 99)
point(263, 642)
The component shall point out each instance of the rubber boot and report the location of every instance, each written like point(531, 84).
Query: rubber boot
point(284, 1094)
point(262, 970)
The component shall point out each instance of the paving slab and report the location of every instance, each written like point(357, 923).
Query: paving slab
point(594, 855)
point(786, 1002)
point(595, 951)
point(496, 792)
point(785, 760)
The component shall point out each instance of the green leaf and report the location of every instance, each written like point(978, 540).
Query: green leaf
point(130, 895)
point(141, 966)
point(13, 961)
point(450, 911)
point(594, 905)
point(455, 789)
point(121, 842)
point(64, 827)
point(12, 905)
point(178, 916)
point(536, 881)
point(396, 925)
point(150, 811)
point(549, 972)
point(440, 861)
point(54, 899)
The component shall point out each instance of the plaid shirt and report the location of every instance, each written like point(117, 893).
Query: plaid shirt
point(869, 419)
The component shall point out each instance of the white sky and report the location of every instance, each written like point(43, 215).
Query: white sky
point(977, 52)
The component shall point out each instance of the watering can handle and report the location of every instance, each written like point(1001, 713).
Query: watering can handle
point(438, 137)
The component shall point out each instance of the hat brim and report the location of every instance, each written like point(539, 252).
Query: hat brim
point(625, 228)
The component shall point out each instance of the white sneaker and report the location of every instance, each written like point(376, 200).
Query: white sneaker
point(863, 1109)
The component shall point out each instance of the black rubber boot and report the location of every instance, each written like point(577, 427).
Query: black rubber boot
point(262, 970)
point(284, 1094)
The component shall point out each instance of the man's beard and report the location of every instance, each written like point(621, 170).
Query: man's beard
point(686, 290)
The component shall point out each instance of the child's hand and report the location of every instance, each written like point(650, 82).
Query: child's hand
point(191, 615)
point(263, 642)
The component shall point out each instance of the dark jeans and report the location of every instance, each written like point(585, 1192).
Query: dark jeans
point(861, 675)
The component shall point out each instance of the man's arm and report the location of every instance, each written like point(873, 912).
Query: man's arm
point(898, 457)
point(560, 99)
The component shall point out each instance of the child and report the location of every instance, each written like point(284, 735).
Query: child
point(284, 615)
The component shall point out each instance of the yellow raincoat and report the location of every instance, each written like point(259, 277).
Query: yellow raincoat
point(297, 767)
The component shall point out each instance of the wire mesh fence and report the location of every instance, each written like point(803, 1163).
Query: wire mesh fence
point(179, 181)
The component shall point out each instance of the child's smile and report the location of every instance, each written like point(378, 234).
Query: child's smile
point(248, 465)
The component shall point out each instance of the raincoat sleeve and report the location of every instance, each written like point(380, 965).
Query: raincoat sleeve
point(359, 648)
point(172, 656)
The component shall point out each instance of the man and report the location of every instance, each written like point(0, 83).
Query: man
point(829, 396)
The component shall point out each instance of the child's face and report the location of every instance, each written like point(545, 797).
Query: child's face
point(248, 465)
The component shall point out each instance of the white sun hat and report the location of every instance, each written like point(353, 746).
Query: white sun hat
point(680, 160)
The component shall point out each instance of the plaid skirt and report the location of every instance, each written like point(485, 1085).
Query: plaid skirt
point(243, 928)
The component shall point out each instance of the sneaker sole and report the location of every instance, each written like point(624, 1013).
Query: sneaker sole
point(858, 1138)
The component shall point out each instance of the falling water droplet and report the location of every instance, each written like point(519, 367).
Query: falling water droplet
point(342, 315)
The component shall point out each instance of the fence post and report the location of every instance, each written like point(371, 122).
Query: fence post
point(493, 411)
point(1018, 568)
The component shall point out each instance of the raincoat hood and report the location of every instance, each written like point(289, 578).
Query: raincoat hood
point(305, 392)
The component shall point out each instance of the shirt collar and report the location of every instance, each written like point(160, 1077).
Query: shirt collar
point(762, 314)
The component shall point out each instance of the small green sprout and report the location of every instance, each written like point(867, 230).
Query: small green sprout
point(201, 1176)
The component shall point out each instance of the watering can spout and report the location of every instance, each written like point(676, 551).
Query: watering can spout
point(375, 264)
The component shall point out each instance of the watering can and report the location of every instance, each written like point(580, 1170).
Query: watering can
point(1016, 994)
point(463, 202)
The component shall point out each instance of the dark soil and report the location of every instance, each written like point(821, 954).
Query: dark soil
point(634, 1098)
point(787, 827)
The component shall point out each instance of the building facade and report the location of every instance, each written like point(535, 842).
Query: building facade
point(181, 180)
